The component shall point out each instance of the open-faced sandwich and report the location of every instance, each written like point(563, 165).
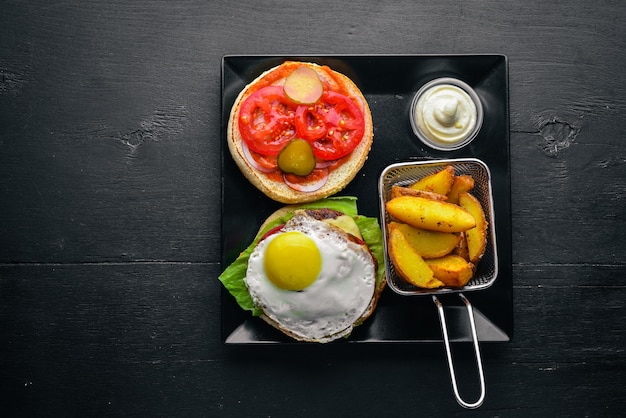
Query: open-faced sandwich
point(314, 271)
point(300, 132)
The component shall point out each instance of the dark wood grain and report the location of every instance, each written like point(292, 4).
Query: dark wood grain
point(118, 339)
point(110, 189)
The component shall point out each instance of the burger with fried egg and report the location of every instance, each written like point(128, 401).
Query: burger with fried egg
point(314, 271)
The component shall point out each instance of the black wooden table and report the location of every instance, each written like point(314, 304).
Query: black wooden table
point(111, 210)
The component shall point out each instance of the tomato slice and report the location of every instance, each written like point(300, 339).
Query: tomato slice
point(266, 120)
point(272, 231)
point(334, 125)
point(310, 122)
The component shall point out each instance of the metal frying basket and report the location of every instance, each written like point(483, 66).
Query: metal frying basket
point(404, 174)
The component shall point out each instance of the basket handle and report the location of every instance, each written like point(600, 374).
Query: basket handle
point(444, 330)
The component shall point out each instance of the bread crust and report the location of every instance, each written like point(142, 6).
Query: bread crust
point(338, 178)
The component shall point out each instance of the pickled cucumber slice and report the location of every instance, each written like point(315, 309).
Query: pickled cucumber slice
point(303, 86)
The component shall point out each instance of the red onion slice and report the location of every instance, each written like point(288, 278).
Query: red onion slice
point(324, 163)
point(250, 159)
point(310, 186)
point(362, 104)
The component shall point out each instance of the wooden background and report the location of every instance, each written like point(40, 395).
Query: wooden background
point(110, 210)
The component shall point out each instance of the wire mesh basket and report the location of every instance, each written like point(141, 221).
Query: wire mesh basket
point(404, 174)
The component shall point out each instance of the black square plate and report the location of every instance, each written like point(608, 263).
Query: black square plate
point(388, 83)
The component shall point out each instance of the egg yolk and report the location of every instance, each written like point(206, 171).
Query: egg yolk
point(292, 261)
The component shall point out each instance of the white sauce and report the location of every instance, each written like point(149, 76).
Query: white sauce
point(445, 114)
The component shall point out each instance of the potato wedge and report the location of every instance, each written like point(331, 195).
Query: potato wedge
point(428, 244)
point(409, 264)
point(452, 270)
point(429, 214)
point(461, 184)
point(477, 236)
point(461, 249)
point(439, 182)
point(397, 191)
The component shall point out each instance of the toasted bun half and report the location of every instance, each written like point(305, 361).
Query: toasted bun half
point(338, 178)
point(354, 244)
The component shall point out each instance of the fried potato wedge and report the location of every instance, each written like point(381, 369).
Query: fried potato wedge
point(477, 236)
point(461, 184)
point(452, 270)
point(429, 214)
point(397, 191)
point(428, 244)
point(461, 249)
point(409, 264)
point(439, 182)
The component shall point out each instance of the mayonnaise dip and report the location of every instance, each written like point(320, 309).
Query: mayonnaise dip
point(445, 115)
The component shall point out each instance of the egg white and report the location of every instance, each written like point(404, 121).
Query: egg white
point(327, 309)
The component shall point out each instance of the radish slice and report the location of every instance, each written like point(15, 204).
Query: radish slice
point(311, 186)
point(254, 163)
point(303, 86)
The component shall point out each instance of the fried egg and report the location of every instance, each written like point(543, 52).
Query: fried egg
point(310, 280)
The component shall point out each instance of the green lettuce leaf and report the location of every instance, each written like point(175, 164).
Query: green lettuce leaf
point(373, 237)
point(233, 276)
